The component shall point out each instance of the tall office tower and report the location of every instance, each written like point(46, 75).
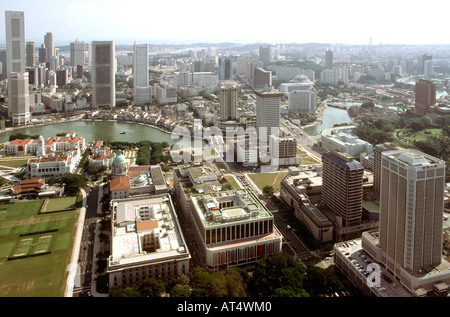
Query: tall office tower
point(302, 101)
point(428, 71)
point(411, 210)
point(423, 59)
point(103, 75)
point(42, 54)
point(425, 96)
point(225, 68)
point(19, 104)
point(49, 41)
point(262, 78)
point(268, 102)
point(89, 54)
point(142, 90)
point(329, 59)
point(3, 72)
point(228, 101)
point(377, 150)
point(15, 42)
point(30, 54)
point(342, 187)
point(77, 53)
point(265, 54)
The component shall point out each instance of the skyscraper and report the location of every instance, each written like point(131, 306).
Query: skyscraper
point(42, 54)
point(228, 101)
point(425, 96)
point(30, 54)
point(265, 54)
point(15, 41)
point(142, 90)
point(19, 104)
point(411, 210)
point(268, 103)
point(103, 77)
point(225, 68)
point(49, 41)
point(77, 53)
point(342, 188)
point(329, 59)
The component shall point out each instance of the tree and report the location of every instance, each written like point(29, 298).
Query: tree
point(276, 272)
point(416, 126)
point(131, 291)
point(73, 182)
point(151, 287)
point(319, 281)
point(268, 190)
point(235, 284)
point(205, 283)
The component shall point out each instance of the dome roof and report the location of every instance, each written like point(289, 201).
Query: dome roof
point(119, 159)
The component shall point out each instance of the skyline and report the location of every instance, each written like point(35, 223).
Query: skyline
point(345, 22)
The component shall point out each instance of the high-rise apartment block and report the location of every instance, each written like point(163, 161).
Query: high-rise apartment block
point(228, 101)
point(262, 78)
point(425, 96)
point(225, 68)
point(329, 59)
point(103, 74)
point(49, 41)
point(265, 54)
point(142, 89)
point(19, 104)
point(77, 49)
point(30, 54)
point(302, 101)
point(268, 103)
point(411, 210)
point(342, 190)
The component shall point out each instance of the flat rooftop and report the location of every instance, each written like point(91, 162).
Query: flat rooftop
point(134, 218)
point(228, 206)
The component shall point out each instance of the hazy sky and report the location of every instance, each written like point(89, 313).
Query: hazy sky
point(249, 21)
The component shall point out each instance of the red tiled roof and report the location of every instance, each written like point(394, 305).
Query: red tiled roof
point(119, 183)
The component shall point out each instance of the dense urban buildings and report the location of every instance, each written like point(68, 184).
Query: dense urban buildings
point(352, 177)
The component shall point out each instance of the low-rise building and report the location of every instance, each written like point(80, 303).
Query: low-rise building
point(232, 227)
point(146, 241)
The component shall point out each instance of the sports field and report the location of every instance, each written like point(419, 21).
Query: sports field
point(39, 247)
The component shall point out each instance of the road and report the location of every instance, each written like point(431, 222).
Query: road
point(86, 261)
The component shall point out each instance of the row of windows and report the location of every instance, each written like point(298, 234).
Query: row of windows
point(138, 275)
point(238, 231)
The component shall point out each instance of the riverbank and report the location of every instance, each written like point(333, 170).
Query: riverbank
point(93, 130)
point(9, 129)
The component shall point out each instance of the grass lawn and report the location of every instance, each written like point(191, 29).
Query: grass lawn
point(233, 182)
point(62, 203)
point(423, 135)
point(271, 179)
point(13, 163)
point(306, 159)
point(40, 276)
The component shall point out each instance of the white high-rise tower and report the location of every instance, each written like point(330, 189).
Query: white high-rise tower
point(142, 90)
point(15, 42)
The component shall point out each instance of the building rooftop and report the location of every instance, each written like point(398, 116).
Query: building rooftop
point(136, 219)
point(228, 206)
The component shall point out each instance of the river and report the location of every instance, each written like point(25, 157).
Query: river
point(331, 117)
point(96, 130)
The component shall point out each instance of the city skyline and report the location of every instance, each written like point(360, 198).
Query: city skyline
point(348, 22)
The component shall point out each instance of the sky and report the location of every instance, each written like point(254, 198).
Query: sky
point(240, 21)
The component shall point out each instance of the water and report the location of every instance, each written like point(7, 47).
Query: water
point(96, 130)
point(331, 117)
